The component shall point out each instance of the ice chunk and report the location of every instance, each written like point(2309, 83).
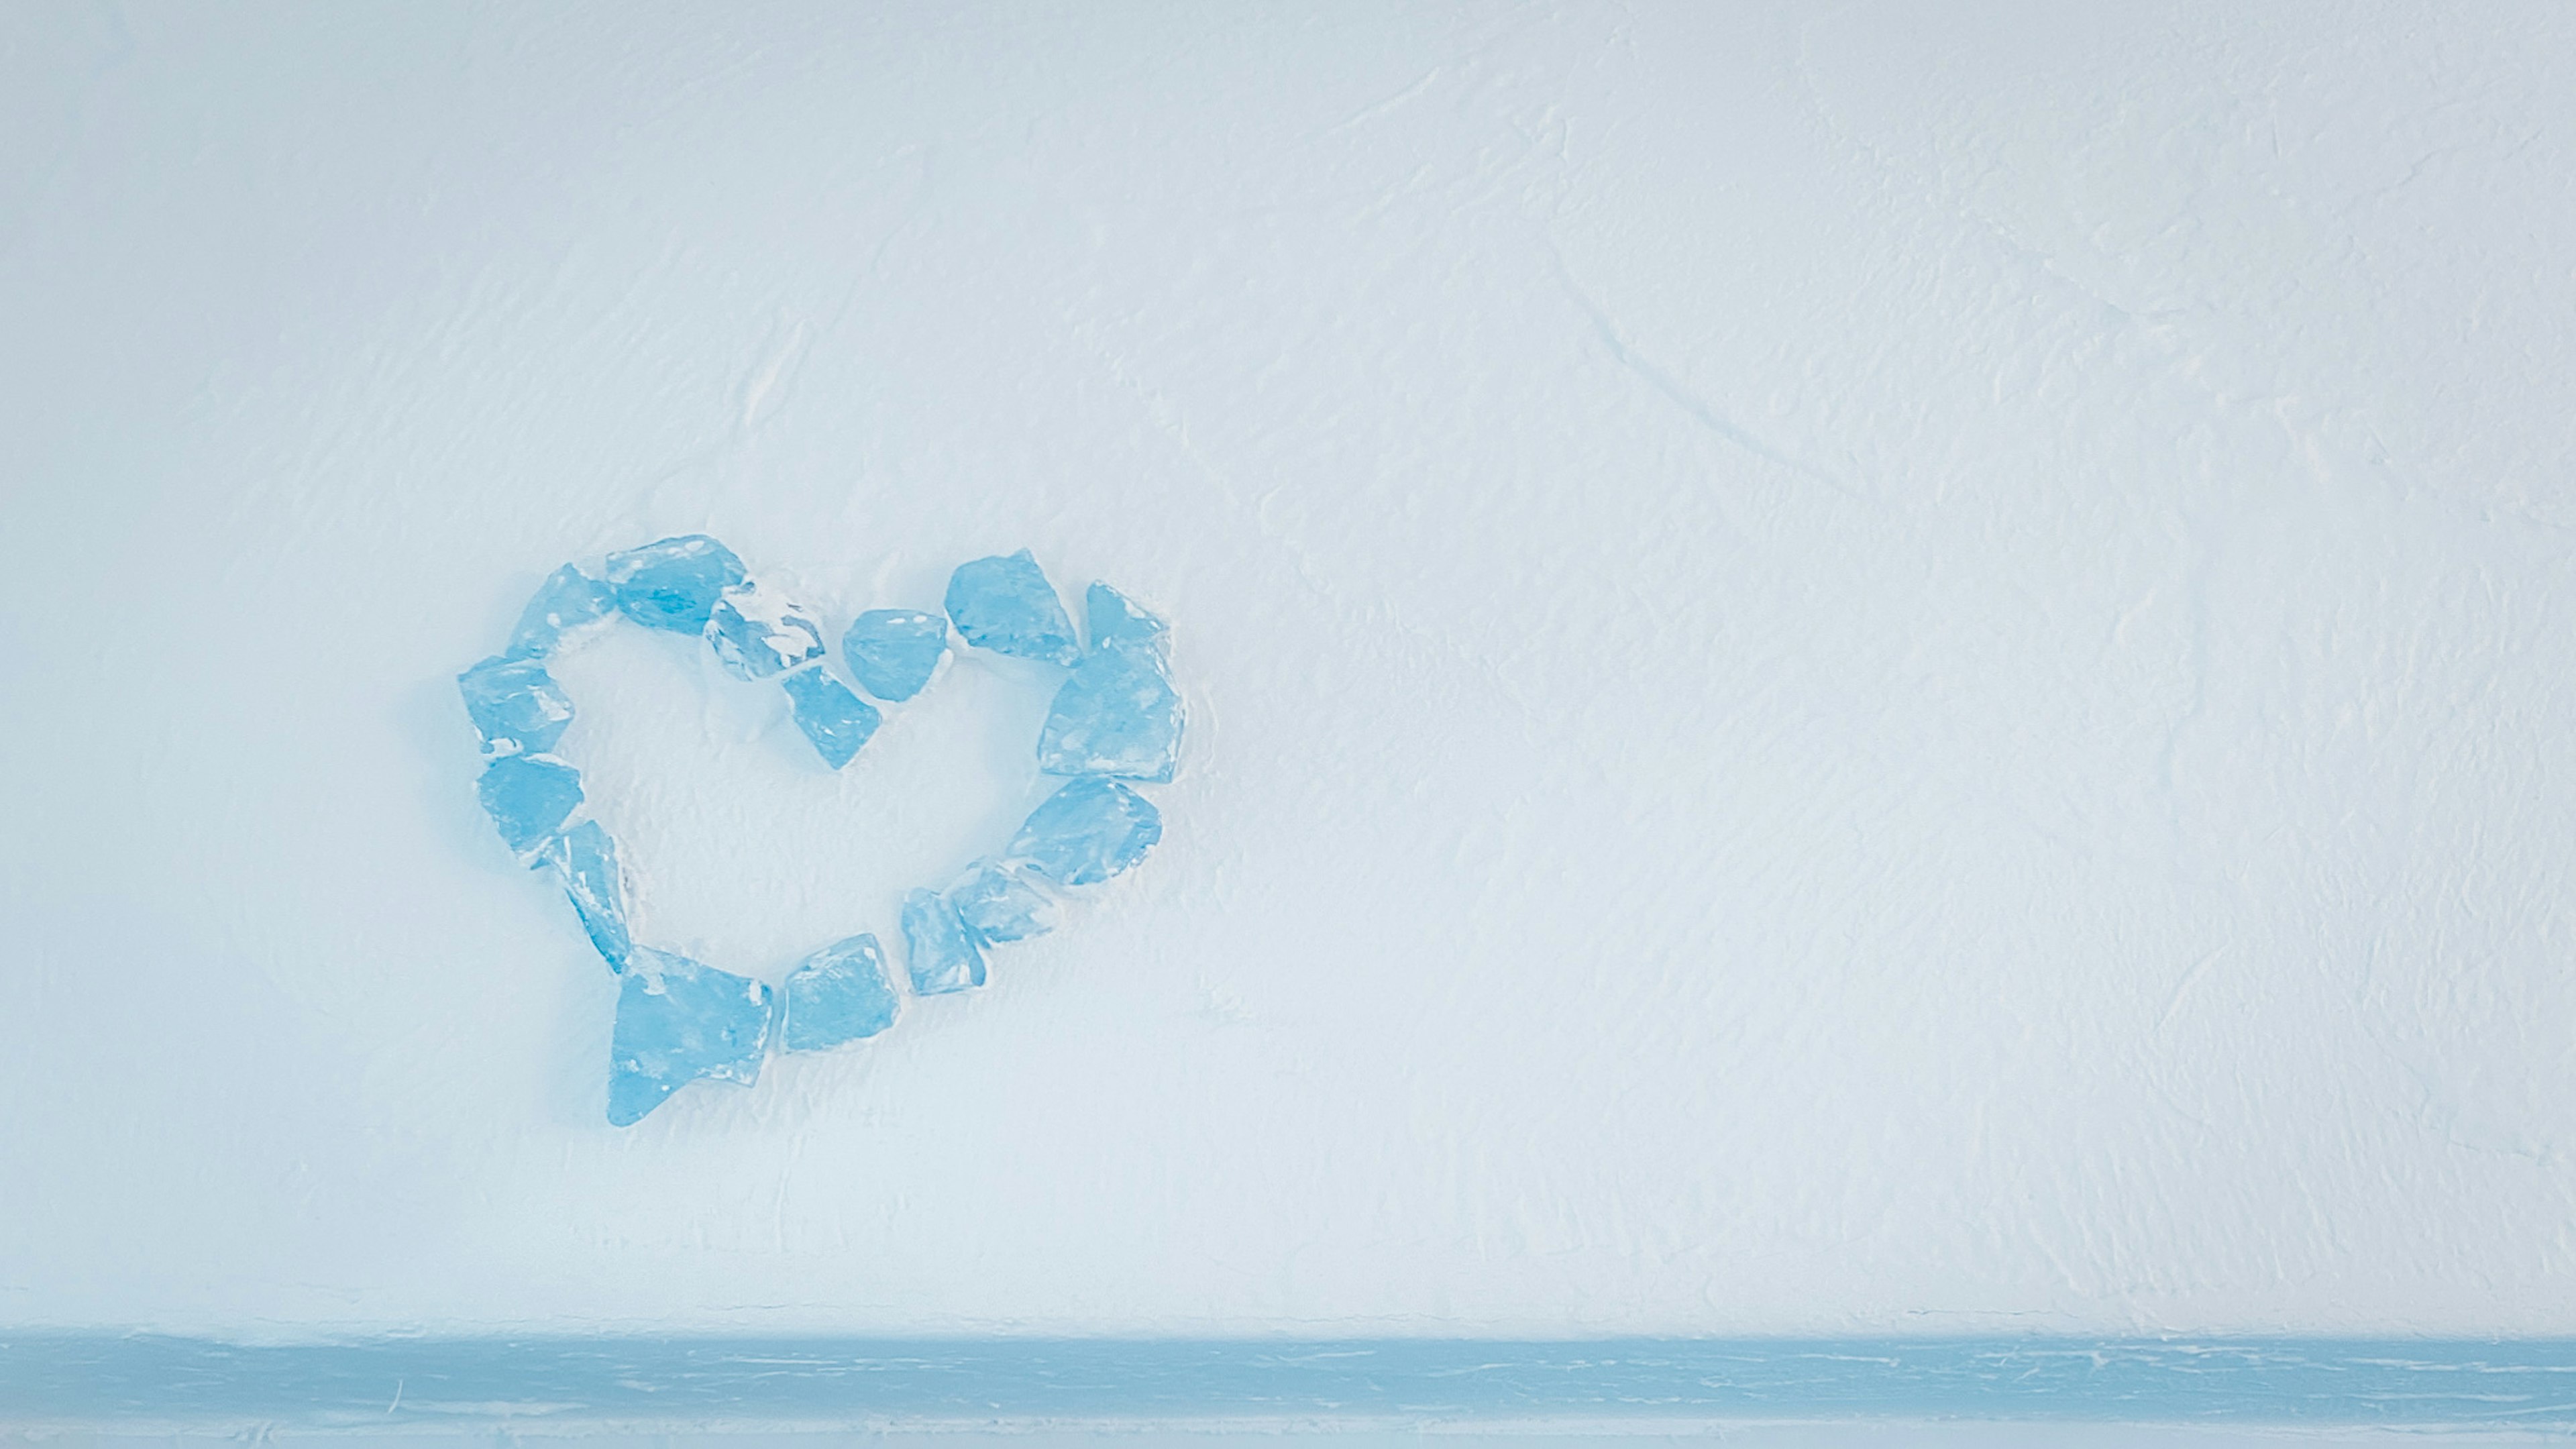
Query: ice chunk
point(757, 631)
point(528, 797)
point(517, 706)
point(997, 903)
point(673, 583)
point(837, 721)
point(895, 651)
point(1006, 605)
point(567, 601)
point(585, 860)
point(937, 950)
point(1087, 832)
point(1116, 715)
point(1117, 622)
point(841, 993)
point(678, 1021)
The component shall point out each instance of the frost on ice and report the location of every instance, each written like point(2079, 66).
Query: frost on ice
point(1088, 831)
point(997, 903)
point(839, 994)
point(528, 797)
point(679, 1021)
point(673, 583)
point(893, 652)
point(515, 704)
point(757, 631)
point(1118, 713)
point(837, 721)
point(568, 601)
point(1006, 605)
point(937, 951)
point(585, 860)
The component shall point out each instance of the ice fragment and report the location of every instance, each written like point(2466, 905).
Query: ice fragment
point(1006, 605)
point(585, 860)
point(937, 950)
point(673, 583)
point(516, 705)
point(567, 601)
point(841, 993)
point(894, 651)
point(997, 903)
point(1088, 831)
point(837, 721)
point(757, 631)
point(528, 797)
point(678, 1021)
point(1116, 621)
point(1116, 715)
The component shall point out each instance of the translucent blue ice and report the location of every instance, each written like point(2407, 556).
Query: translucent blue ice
point(937, 950)
point(997, 903)
point(894, 651)
point(567, 601)
point(585, 860)
point(673, 583)
point(528, 797)
point(837, 721)
point(1088, 831)
point(516, 705)
point(1006, 605)
point(679, 1021)
point(757, 631)
point(841, 993)
point(1116, 621)
point(1116, 715)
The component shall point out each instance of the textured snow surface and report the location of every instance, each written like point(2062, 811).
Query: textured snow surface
point(1847, 671)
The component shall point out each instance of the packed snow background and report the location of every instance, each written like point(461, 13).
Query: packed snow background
point(1851, 667)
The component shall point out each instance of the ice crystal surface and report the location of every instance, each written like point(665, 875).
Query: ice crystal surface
point(528, 797)
point(757, 631)
point(585, 860)
point(515, 704)
point(836, 720)
point(673, 583)
point(680, 1021)
point(1005, 604)
point(839, 994)
point(938, 953)
point(1088, 831)
point(893, 652)
point(998, 903)
point(1117, 714)
point(568, 601)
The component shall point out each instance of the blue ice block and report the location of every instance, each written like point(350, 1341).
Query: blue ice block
point(1006, 605)
point(1116, 621)
point(1088, 831)
point(836, 720)
point(937, 951)
point(679, 1021)
point(515, 704)
point(757, 631)
point(585, 860)
point(895, 651)
point(673, 583)
point(1116, 715)
point(569, 600)
point(528, 797)
point(998, 903)
point(841, 993)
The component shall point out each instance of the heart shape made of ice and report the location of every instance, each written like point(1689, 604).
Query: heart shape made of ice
point(1116, 718)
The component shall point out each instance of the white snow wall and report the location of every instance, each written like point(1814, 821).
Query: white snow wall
point(1859, 667)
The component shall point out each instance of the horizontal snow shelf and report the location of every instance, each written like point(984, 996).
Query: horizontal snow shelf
point(191, 1384)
